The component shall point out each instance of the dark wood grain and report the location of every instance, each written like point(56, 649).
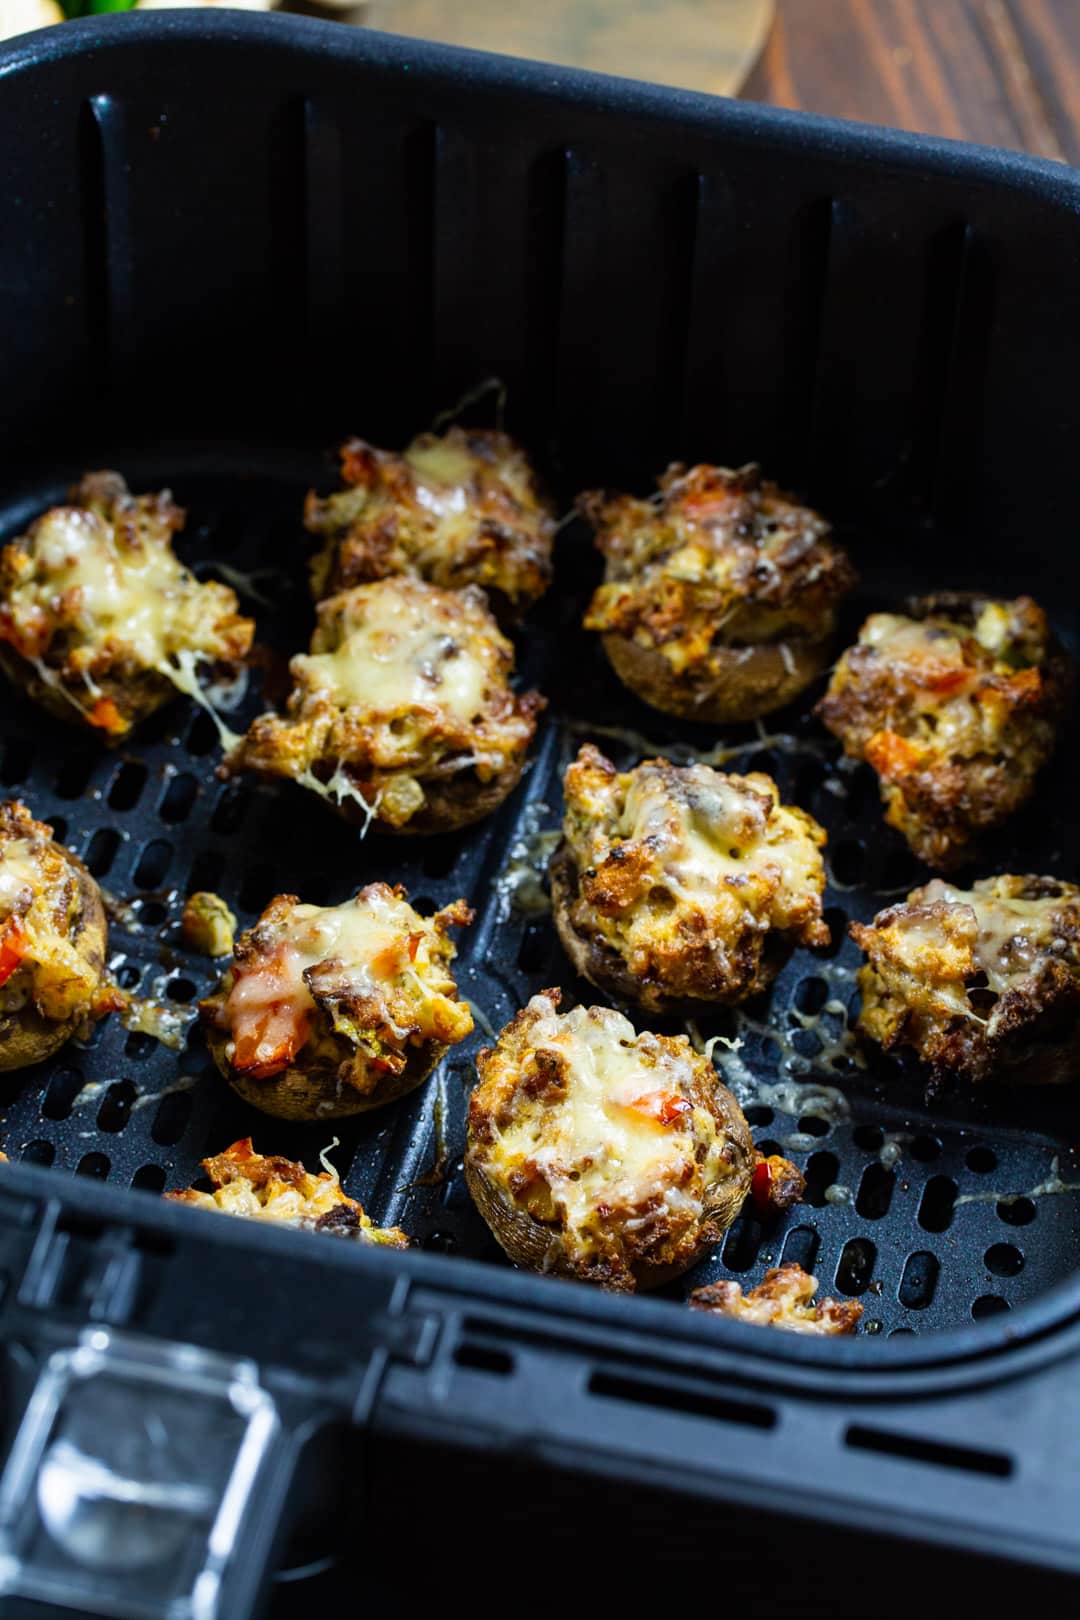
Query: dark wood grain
point(1004, 72)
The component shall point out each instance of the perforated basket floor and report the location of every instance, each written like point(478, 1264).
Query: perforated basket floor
point(910, 1207)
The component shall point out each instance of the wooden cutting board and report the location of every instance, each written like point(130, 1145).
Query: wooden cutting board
point(696, 44)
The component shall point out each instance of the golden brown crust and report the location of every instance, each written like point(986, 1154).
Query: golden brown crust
point(95, 607)
point(53, 936)
point(403, 707)
point(269, 1188)
point(677, 885)
point(782, 1300)
point(629, 1207)
point(329, 1012)
point(955, 705)
point(720, 593)
point(981, 983)
point(460, 508)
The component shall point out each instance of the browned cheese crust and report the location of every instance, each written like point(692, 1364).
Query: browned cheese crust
point(402, 710)
point(677, 885)
point(720, 593)
point(955, 705)
point(99, 620)
point(784, 1300)
point(52, 942)
point(328, 1011)
point(981, 983)
point(598, 1153)
point(459, 508)
point(267, 1188)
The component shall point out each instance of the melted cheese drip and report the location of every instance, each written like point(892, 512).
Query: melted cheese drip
point(397, 658)
point(595, 1147)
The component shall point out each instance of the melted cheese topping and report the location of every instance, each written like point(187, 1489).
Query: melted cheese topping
point(1016, 937)
point(373, 965)
point(395, 655)
point(455, 508)
point(39, 896)
point(625, 1133)
point(666, 854)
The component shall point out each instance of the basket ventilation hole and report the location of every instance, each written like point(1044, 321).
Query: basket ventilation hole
point(202, 735)
point(821, 1172)
point(533, 950)
point(811, 995)
point(178, 799)
point(982, 1160)
point(919, 1282)
point(1016, 1211)
point(758, 1114)
point(743, 1243)
point(149, 1178)
point(848, 860)
point(801, 1248)
point(856, 1265)
point(153, 864)
point(988, 1305)
point(115, 1111)
point(875, 1192)
point(837, 923)
point(811, 1125)
point(936, 1209)
point(484, 1358)
point(925, 1149)
point(95, 1165)
point(869, 1137)
point(129, 783)
point(101, 851)
point(1004, 1260)
point(230, 810)
point(170, 1121)
point(64, 1087)
point(73, 775)
point(206, 871)
point(18, 758)
point(39, 1152)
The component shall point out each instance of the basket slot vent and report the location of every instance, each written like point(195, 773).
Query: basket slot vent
point(919, 1282)
point(485, 1358)
point(936, 1209)
point(856, 1266)
point(695, 1403)
point(937, 1453)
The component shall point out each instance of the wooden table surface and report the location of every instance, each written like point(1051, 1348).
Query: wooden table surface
point(1005, 72)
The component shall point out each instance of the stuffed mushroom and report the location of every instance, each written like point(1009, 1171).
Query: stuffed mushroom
point(331, 1011)
point(955, 704)
point(598, 1153)
point(100, 622)
point(785, 1299)
point(402, 712)
point(52, 942)
point(459, 508)
point(269, 1188)
point(983, 983)
point(720, 593)
point(677, 885)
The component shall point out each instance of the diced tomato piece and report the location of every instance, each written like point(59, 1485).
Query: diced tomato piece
point(760, 1185)
point(107, 716)
point(891, 755)
point(269, 1014)
point(12, 947)
point(665, 1107)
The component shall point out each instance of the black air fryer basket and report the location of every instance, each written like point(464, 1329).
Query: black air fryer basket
point(225, 243)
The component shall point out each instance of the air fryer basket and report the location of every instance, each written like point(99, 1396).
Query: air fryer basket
point(224, 244)
point(886, 1217)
